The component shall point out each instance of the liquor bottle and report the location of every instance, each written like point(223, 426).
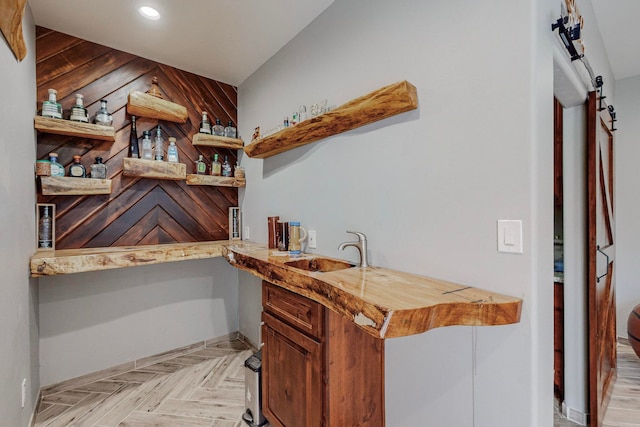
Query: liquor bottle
point(286, 122)
point(158, 148)
point(134, 150)
point(99, 169)
point(147, 146)
point(51, 107)
point(216, 167)
point(77, 169)
point(56, 168)
point(205, 125)
point(230, 130)
point(201, 166)
point(226, 167)
point(218, 129)
point(45, 229)
point(78, 112)
point(302, 113)
point(102, 116)
point(172, 151)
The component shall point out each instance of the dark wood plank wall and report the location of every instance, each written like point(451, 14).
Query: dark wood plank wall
point(139, 211)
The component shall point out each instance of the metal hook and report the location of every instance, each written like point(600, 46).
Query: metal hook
point(607, 257)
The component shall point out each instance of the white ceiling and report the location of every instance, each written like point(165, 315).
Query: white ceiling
point(619, 28)
point(225, 40)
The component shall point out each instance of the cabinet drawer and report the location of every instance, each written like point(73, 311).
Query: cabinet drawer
point(305, 315)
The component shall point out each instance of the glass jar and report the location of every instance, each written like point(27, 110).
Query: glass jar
point(103, 117)
point(98, 169)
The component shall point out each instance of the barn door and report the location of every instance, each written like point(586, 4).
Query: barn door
point(601, 257)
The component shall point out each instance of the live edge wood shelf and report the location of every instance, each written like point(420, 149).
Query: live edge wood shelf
point(144, 105)
point(77, 129)
point(206, 140)
point(153, 169)
point(67, 261)
point(69, 186)
point(219, 181)
point(380, 104)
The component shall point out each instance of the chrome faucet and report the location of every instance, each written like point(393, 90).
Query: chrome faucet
point(361, 244)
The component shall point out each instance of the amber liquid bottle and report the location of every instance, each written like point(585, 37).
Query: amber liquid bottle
point(133, 140)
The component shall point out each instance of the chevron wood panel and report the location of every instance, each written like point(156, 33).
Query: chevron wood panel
point(138, 211)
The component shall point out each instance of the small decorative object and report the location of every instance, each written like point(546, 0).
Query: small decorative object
point(102, 116)
point(43, 168)
point(285, 122)
point(78, 112)
point(205, 125)
point(633, 329)
point(51, 107)
point(172, 151)
point(45, 215)
point(302, 113)
point(256, 133)
point(272, 224)
point(230, 130)
point(98, 169)
point(158, 147)
point(283, 236)
point(154, 90)
point(234, 223)
point(297, 235)
point(226, 167)
point(201, 166)
point(147, 146)
point(216, 166)
point(77, 169)
point(56, 168)
point(218, 129)
point(238, 171)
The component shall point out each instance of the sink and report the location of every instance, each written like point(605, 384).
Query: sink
point(322, 265)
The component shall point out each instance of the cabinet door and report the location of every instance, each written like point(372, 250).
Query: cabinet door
point(291, 376)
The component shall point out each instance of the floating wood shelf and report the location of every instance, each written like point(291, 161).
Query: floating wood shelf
point(220, 181)
point(144, 105)
point(77, 129)
point(385, 102)
point(217, 141)
point(153, 169)
point(66, 261)
point(69, 186)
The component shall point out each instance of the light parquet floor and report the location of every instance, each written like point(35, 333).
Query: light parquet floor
point(204, 387)
point(624, 407)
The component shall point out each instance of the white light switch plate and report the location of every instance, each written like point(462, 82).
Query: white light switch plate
point(313, 239)
point(510, 236)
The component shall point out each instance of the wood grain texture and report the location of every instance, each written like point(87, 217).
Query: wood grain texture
point(153, 169)
point(11, 26)
point(385, 303)
point(75, 129)
point(67, 261)
point(380, 104)
point(223, 181)
point(144, 105)
point(69, 186)
point(139, 211)
point(216, 141)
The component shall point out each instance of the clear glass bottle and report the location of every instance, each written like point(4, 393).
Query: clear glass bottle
point(158, 147)
point(78, 112)
point(134, 149)
point(77, 169)
point(226, 167)
point(302, 114)
point(45, 229)
point(99, 169)
point(172, 151)
point(56, 168)
point(201, 166)
point(285, 122)
point(205, 125)
point(102, 116)
point(147, 146)
point(51, 107)
point(230, 130)
point(218, 129)
point(216, 167)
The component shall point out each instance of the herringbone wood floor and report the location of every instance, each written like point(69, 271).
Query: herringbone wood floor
point(204, 387)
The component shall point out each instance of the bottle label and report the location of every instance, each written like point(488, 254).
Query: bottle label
point(57, 170)
point(216, 169)
point(202, 167)
point(76, 171)
point(98, 171)
point(50, 110)
point(79, 115)
point(205, 128)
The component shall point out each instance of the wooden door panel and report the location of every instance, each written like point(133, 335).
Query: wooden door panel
point(601, 258)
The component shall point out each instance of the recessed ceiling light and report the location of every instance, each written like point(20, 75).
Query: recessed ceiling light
point(149, 13)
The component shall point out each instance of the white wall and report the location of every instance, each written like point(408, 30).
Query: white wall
point(92, 321)
point(428, 186)
point(18, 294)
point(627, 158)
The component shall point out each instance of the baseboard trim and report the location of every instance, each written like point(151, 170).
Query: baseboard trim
point(135, 364)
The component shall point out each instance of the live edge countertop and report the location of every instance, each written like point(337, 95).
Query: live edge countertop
point(385, 303)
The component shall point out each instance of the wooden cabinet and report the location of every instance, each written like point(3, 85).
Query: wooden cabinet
point(319, 368)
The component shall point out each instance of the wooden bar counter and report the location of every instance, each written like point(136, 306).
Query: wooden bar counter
point(385, 303)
